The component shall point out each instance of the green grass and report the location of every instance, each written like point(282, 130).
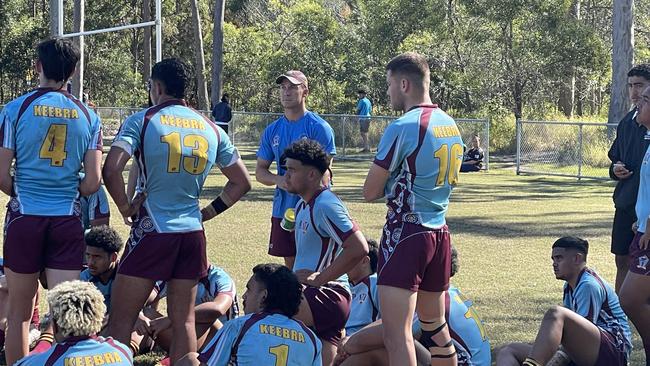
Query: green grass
point(502, 224)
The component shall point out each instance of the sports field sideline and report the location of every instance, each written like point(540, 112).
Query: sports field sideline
point(502, 224)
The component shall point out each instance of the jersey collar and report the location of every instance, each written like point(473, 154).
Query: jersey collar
point(423, 106)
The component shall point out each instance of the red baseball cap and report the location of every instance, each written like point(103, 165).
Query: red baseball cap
point(295, 77)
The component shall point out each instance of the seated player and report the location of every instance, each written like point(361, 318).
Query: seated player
point(34, 331)
point(468, 335)
point(95, 210)
point(328, 245)
point(215, 304)
point(268, 334)
point(103, 245)
point(77, 310)
point(591, 327)
point(364, 307)
point(473, 158)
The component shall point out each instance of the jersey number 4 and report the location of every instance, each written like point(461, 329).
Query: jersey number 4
point(53, 147)
point(194, 164)
point(281, 353)
point(450, 160)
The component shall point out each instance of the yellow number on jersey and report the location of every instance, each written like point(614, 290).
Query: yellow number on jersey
point(471, 314)
point(449, 162)
point(53, 146)
point(281, 353)
point(194, 164)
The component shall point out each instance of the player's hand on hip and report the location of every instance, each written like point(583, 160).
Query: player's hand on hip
point(644, 240)
point(130, 211)
point(208, 213)
point(308, 277)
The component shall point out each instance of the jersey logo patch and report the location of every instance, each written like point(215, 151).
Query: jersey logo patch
point(276, 140)
point(643, 262)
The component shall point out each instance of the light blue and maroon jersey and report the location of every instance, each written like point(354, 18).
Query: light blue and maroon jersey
point(50, 132)
point(104, 288)
point(364, 307)
point(423, 152)
point(217, 282)
point(595, 300)
point(279, 135)
point(643, 197)
point(322, 225)
point(95, 206)
point(263, 339)
point(466, 330)
point(82, 351)
point(175, 148)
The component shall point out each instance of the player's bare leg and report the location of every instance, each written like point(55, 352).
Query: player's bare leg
point(435, 330)
point(579, 337)
point(22, 291)
point(512, 354)
point(622, 266)
point(289, 261)
point(635, 301)
point(397, 307)
point(128, 297)
point(379, 357)
point(180, 309)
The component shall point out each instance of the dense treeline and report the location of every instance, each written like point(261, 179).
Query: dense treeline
point(490, 57)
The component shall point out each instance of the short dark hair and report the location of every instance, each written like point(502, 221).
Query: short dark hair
point(104, 237)
point(225, 97)
point(410, 64)
point(58, 57)
point(284, 291)
point(642, 70)
point(174, 74)
point(308, 152)
point(361, 91)
point(373, 253)
point(455, 264)
point(573, 242)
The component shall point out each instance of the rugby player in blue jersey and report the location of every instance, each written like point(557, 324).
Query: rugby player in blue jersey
point(416, 166)
point(591, 326)
point(52, 136)
point(296, 123)
point(175, 147)
point(268, 334)
point(364, 307)
point(328, 245)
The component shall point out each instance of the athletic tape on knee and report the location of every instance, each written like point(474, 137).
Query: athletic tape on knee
point(443, 347)
point(134, 347)
point(531, 362)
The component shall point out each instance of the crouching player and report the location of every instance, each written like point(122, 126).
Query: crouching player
point(77, 310)
point(268, 334)
point(364, 308)
point(591, 327)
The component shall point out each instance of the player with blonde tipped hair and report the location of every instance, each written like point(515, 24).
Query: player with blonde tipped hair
point(77, 309)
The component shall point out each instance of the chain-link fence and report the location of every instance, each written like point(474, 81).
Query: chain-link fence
point(572, 149)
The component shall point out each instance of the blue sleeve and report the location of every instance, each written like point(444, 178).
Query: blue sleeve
point(375, 295)
point(128, 137)
point(359, 106)
point(97, 139)
point(394, 147)
point(227, 154)
point(224, 283)
point(318, 359)
point(104, 207)
point(334, 221)
point(7, 130)
point(265, 150)
point(324, 134)
point(217, 352)
point(589, 299)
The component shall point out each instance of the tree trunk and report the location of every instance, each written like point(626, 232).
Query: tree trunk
point(78, 77)
point(199, 59)
point(146, 16)
point(217, 51)
point(54, 25)
point(622, 57)
point(568, 87)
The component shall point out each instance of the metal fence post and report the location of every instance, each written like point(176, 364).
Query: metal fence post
point(487, 150)
point(518, 134)
point(344, 120)
point(580, 152)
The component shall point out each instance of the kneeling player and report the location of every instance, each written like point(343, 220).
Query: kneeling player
point(268, 334)
point(364, 308)
point(77, 310)
point(591, 327)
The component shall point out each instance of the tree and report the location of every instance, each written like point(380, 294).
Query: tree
point(199, 58)
point(622, 57)
point(217, 51)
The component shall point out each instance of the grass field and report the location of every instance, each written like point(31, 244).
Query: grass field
point(502, 224)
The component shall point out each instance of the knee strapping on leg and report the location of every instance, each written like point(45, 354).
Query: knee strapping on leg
point(531, 362)
point(435, 340)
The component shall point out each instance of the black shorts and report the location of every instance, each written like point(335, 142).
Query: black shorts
point(364, 125)
point(622, 234)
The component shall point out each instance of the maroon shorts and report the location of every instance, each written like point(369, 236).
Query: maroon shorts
point(330, 308)
point(611, 352)
point(639, 258)
point(33, 243)
point(163, 256)
point(282, 243)
point(414, 257)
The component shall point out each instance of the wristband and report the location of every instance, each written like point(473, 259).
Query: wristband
point(218, 205)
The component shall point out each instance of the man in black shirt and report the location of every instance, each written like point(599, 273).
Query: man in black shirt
point(222, 113)
point(626, 155)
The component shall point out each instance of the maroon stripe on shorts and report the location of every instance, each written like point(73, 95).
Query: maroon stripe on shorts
point(30, 99)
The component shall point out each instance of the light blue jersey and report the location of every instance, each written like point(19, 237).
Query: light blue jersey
point(82, 351)
point(423, 152)
point(322, 225)
point(175, 148)
point(364, 107)
point(364, 307)
point(595, 300)
point(263, 339)
point(217, 282)
point(50, 132)
point(466, 330)
point(94, 207)
point(104, 288)
point(279, 135)
point(643, 197)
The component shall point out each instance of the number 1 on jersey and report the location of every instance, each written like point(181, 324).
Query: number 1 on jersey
point(194, 164)
point(449, 161)
point(53, 146)
point(281, 353)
